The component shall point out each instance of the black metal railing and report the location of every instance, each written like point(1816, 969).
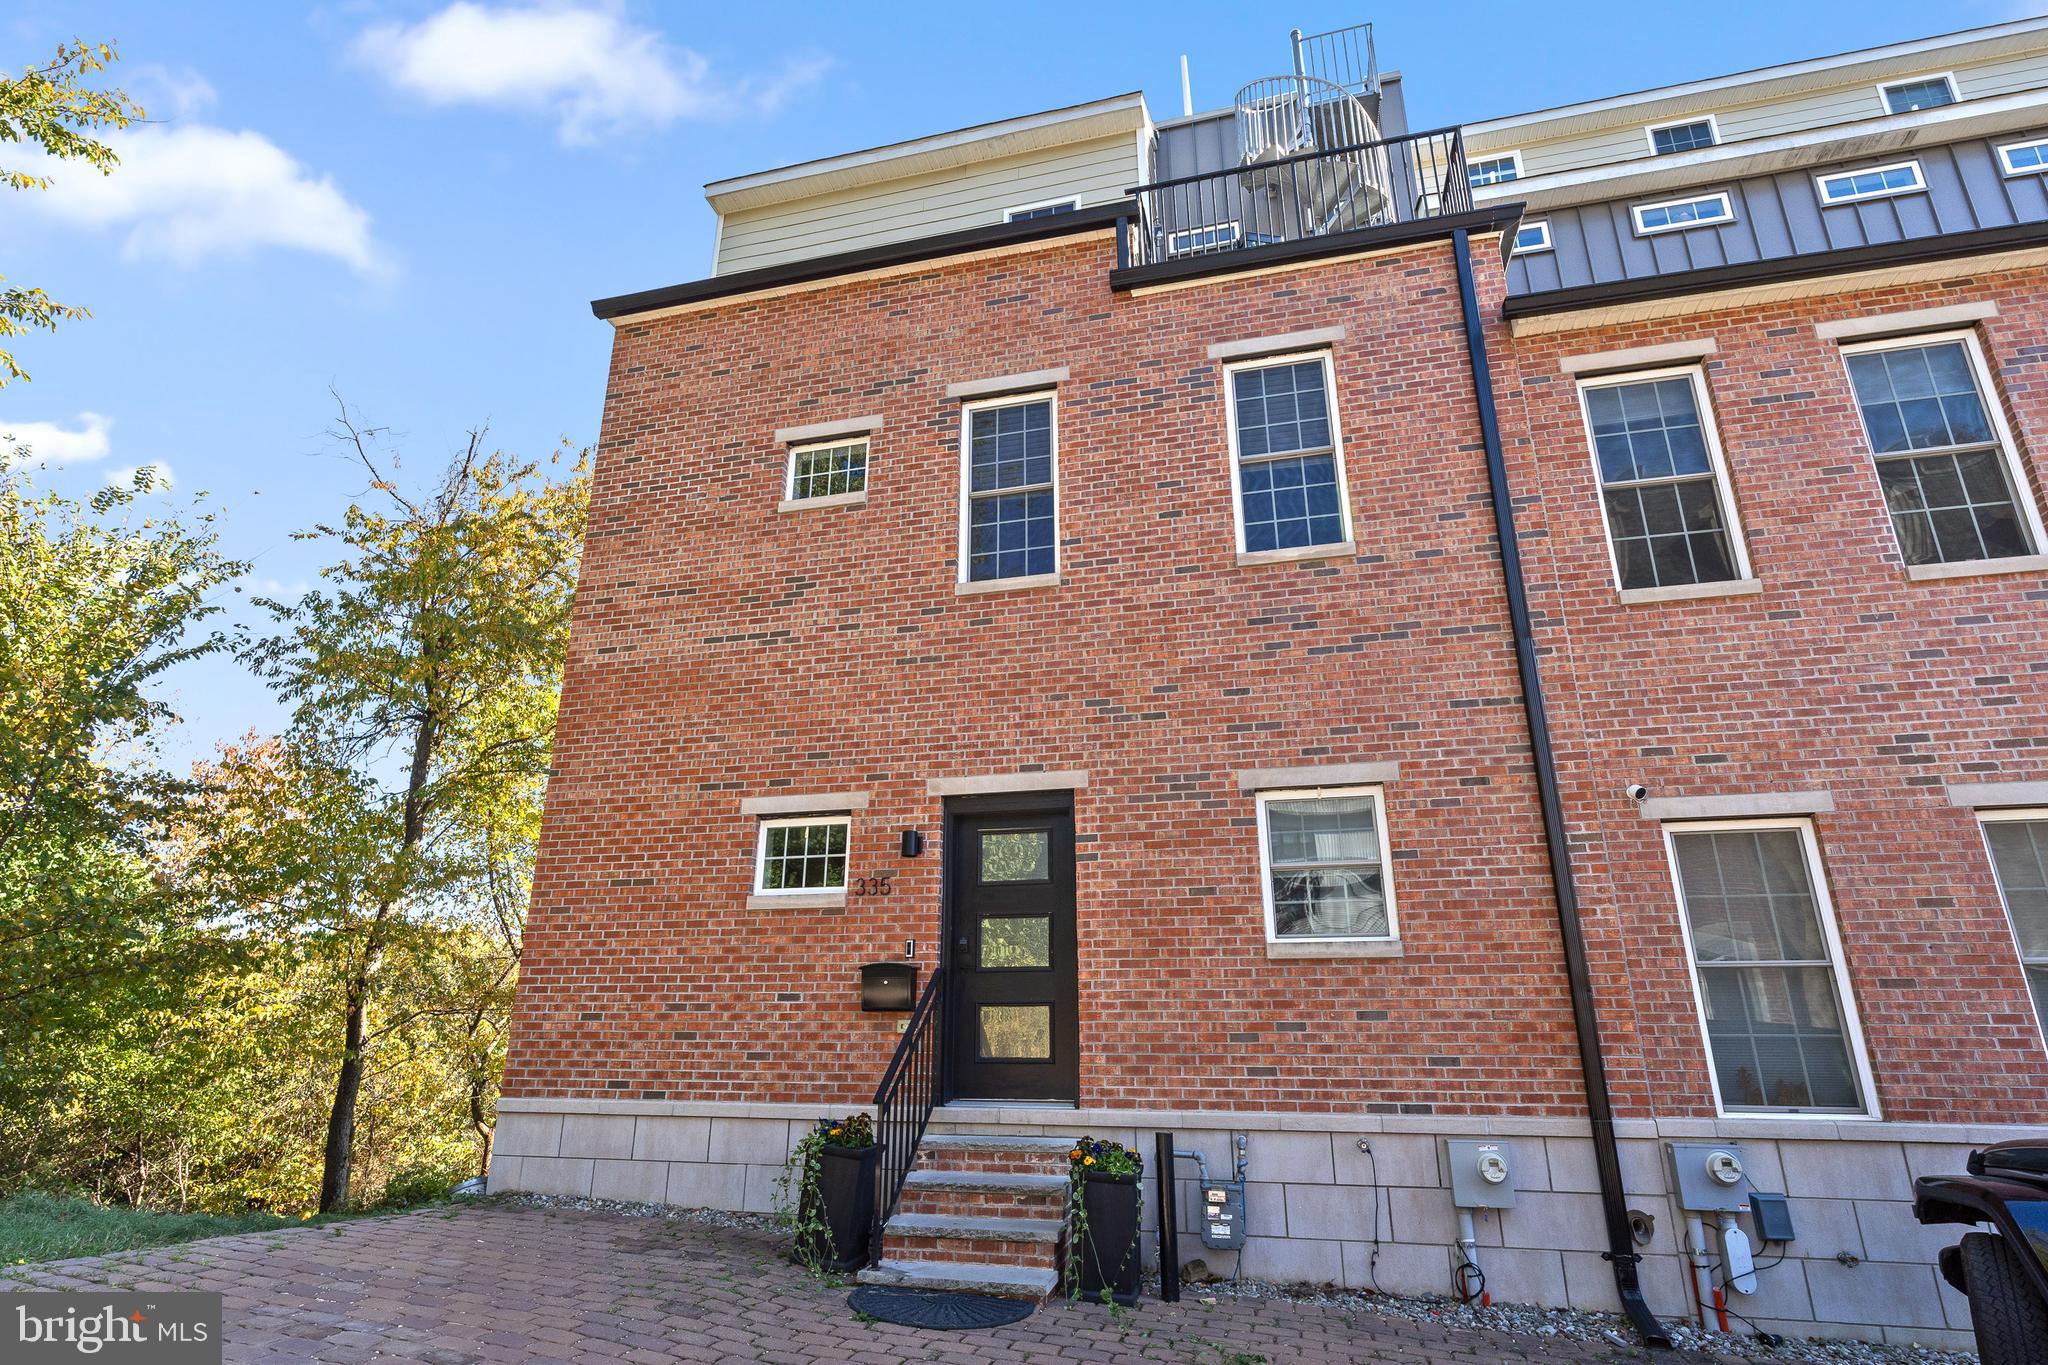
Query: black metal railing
point(1292, 198)
point(905, 1099)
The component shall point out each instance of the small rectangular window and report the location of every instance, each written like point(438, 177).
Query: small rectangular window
point(1667, 139)
point(800, 855)
point(827, 470)
point(1780, 1024)
point(1673, 214)
point(1324, 861)
point(2018, 841)
point(1008, 527)
point(1026, 212)
point(1532, 237)
point(1944, 458)
point(1286, 455)
point(1496, 169)
point(1922, 92)
point(1663, 490)
point(2024, 158)
point(1875, 182)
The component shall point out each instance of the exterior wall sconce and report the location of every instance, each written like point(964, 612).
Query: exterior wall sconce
point(913, 842)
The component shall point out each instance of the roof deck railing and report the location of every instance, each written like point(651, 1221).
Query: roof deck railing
point(1293, 198)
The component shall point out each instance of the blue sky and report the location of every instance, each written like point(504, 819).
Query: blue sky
point(413, 204)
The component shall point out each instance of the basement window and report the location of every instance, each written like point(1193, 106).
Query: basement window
point(802, 855)
point(1943, 454)
point(1774, 1003)
point(1325, 866)
point(1663, 488)
point(2018, 841)
point(1924, 92)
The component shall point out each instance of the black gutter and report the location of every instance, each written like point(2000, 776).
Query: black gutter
point(1088, 219)
point(1621, 1251)
point(1494, 218)
point(1777, 270)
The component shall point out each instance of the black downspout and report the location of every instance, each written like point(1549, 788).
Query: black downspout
point(1621, 1251)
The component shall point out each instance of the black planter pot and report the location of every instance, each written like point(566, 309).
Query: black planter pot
point(1109, 1254)
point(846, 1188)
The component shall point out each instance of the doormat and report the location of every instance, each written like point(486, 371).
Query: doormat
point(937, 1308)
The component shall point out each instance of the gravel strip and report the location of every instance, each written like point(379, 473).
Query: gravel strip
point(1578, 1325)
point(1568, 1324)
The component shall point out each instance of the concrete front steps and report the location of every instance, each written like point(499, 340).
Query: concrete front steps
point(980, 1215)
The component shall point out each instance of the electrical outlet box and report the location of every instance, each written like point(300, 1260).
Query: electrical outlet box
point(1772, 1216)
point(1482, 1173)
point(1222, 1215)
point(1711, 1177)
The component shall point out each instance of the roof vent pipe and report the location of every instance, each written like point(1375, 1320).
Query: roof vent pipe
point(1621, 1252)
point(1187, 91)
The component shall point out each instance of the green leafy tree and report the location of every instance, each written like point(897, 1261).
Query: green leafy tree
point(423, 678)
point(52, 108)
point(97, 602)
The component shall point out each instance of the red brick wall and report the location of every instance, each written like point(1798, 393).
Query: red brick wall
point(1842, 674)
point(722, 649)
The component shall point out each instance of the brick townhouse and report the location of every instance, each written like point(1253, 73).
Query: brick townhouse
point(1334, 641)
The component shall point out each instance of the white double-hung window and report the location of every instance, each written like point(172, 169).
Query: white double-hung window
point(1287, 455)
point(1944, 456)
point(1009, 526)
point(2018, 840)
point(1324, 861)
point(1664, 495)
point(1779, 1022)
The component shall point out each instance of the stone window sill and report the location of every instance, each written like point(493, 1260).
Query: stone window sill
point(1977, 568)
point(1340, 551)
point(1037, 580)
point(1689, 592)
point(829, 500)
point(798, 900)
point(1327, 948)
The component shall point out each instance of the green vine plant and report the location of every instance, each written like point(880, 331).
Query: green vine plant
point(1096, 1156)
point(799, 1204)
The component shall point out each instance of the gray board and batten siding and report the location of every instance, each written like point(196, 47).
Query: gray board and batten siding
point(1780, 215)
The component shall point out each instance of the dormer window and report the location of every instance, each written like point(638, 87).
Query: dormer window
point(1026, 212)
point(1668, 139)
point(1494, 170)
point(1922, 92)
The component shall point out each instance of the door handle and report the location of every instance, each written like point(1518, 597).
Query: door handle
point(960, 942)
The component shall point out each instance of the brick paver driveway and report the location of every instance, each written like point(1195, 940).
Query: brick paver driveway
point(508, 1282)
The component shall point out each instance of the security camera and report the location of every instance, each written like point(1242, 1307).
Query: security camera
point(1637, 791)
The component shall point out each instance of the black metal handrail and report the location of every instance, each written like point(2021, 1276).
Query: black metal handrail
point(905, 1099)
point(1307, 194)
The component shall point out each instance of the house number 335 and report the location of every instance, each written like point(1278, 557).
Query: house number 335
point(870, 886)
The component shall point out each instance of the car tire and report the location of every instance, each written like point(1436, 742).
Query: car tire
point(2011, 1319)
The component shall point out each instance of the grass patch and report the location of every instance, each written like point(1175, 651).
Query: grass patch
point(50, 1227)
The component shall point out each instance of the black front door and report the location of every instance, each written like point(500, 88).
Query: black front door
point(1015, 1035)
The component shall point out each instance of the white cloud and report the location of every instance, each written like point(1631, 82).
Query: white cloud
point(187, 192)
point(53, 444)
point(586, 65)
point(159, 472)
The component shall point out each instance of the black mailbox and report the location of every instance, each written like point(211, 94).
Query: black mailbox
point(888, 986)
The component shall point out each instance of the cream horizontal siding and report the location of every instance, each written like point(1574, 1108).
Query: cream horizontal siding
point(1845, 103)
point(973, 196)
